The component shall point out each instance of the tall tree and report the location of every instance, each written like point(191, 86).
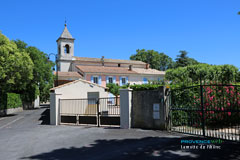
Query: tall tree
point(183, 60)
point(16, 67)
point(166, 62)
point(43, 77)
point(156, 60)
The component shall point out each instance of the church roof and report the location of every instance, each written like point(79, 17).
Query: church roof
point(87, 59)
point(119, 70)
point(66, 34)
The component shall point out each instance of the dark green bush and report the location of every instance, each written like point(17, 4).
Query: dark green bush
point(10, 100)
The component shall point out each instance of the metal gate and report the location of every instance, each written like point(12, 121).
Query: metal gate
point(207, 110)
point(95, 112)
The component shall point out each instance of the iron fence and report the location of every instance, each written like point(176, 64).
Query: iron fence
point(100, 111)
point(211, 110)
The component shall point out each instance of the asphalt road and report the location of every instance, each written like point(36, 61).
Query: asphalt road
point(28, 135)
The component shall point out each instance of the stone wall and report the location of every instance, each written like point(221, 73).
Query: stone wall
point(150, 109)
point(5, 112)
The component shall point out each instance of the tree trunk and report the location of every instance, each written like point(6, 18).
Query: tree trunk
point(28, 105)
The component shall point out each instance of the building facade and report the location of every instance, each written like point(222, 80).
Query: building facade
point(100, 70)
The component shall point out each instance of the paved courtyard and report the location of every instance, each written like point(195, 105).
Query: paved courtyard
point(28, 135)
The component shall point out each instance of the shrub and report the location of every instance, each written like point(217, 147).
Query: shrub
point(10, 100)
point(140, 87)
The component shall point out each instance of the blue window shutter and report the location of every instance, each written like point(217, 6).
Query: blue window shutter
point(99, 80)
point(120, 79)
point(145, 81)
point(126, 80)
point(92, 79)
point(114, 79)
point(107, 79)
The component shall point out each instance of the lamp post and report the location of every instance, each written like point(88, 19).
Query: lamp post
point(56, 61)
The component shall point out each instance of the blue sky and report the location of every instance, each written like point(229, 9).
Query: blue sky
point(208, 29)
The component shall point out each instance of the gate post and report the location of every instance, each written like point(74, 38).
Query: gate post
point(98, 112)
point(54, 109)
point(125, 108)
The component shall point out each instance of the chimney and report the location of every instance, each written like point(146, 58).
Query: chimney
point(147, 66)
point(130, 67)
point(102, 60)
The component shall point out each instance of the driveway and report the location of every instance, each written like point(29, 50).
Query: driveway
point(28, 135)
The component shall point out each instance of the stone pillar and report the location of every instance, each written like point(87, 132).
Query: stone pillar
point(125, 108)
point(37, 102)
point(54, 109)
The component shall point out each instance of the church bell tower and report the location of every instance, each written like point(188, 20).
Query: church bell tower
point(65, 44)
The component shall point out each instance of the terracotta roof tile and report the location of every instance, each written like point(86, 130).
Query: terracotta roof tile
point(109, 60)
point(148, 71)
point(69, 74)
point(118, 70)
point(79, 80)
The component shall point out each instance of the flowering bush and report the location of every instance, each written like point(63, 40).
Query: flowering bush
point(221, 106)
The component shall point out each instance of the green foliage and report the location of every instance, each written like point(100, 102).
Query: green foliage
point(13, 100)
point(140, 87)
point(165, 62)
point(156, 60)
point(209, 73)
point(114, 88)
point(10, 100)
point(219, 103)
point(183, 60)
point(43, 77)
point(16, 67)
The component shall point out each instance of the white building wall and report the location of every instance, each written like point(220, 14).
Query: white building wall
point(62, 43)
point(65, 59)
point(80, 90)
point(138, 79)
point(64, 66)
point(77, 90)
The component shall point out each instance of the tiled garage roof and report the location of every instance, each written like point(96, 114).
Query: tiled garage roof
point(79, 80)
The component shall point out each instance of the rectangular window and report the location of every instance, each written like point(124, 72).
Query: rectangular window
point(110, 79)
point(123, 81)
point(95, 80)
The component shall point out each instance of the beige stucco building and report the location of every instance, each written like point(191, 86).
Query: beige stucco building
point(100, 70)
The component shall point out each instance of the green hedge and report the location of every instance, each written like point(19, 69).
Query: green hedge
point(140, 87)
point(10, 100)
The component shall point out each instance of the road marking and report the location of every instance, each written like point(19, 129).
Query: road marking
point(2, 118)
point(11, 122)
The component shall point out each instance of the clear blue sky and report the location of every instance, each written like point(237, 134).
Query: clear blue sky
point(208, 29)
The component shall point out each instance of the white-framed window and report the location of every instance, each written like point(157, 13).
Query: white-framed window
point(95, 79)
point(110, 79)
